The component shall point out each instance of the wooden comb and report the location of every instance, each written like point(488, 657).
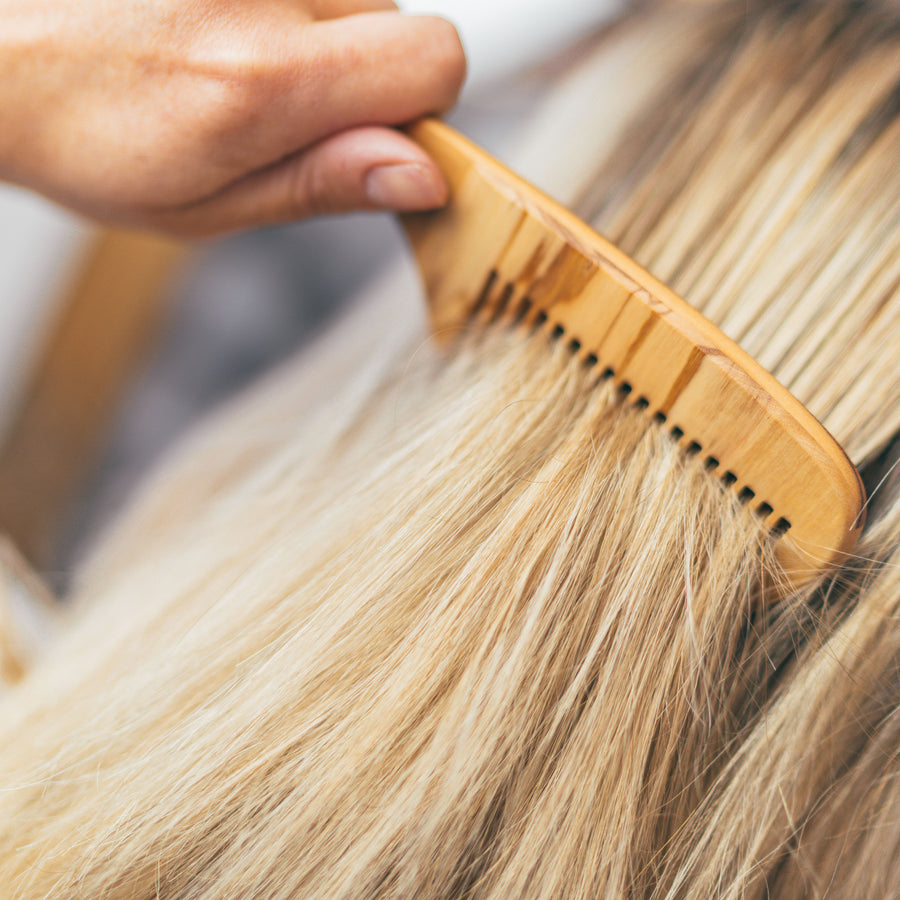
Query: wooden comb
point(502, 249)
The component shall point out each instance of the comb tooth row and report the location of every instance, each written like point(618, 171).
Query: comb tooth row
point(497, 302)
point(503, 250)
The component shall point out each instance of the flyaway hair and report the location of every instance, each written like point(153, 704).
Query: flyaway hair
point(483, 630)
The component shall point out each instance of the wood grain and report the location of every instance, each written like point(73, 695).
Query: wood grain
point(502, 248)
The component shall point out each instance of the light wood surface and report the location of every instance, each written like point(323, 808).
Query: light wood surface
point(503, 249)
point(108, 323)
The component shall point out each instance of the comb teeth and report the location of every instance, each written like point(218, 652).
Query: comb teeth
point(501, 250)
point(498, 302)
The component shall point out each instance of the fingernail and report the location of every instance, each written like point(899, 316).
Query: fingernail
point(404, 187)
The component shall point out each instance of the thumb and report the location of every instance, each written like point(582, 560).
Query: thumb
point(363, 168)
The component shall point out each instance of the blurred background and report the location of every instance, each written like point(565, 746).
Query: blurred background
point(113, 344)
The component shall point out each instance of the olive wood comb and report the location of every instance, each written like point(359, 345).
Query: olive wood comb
point(501, 249)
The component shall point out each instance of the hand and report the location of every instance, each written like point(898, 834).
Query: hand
point(204, 116)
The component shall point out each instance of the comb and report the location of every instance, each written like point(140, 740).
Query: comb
point(501, 249)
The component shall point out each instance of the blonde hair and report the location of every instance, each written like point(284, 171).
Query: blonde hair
point(485, 631)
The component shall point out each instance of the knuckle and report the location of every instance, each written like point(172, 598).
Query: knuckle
point(311, 189)
point(243, 91)
point(240, 77)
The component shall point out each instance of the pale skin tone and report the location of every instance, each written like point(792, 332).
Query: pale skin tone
point(198, 117)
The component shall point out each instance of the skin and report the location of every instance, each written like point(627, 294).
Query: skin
point(198, 117)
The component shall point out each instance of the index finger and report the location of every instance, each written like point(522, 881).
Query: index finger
point(380, 68)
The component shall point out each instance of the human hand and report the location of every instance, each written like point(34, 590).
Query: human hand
point(204, 116)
